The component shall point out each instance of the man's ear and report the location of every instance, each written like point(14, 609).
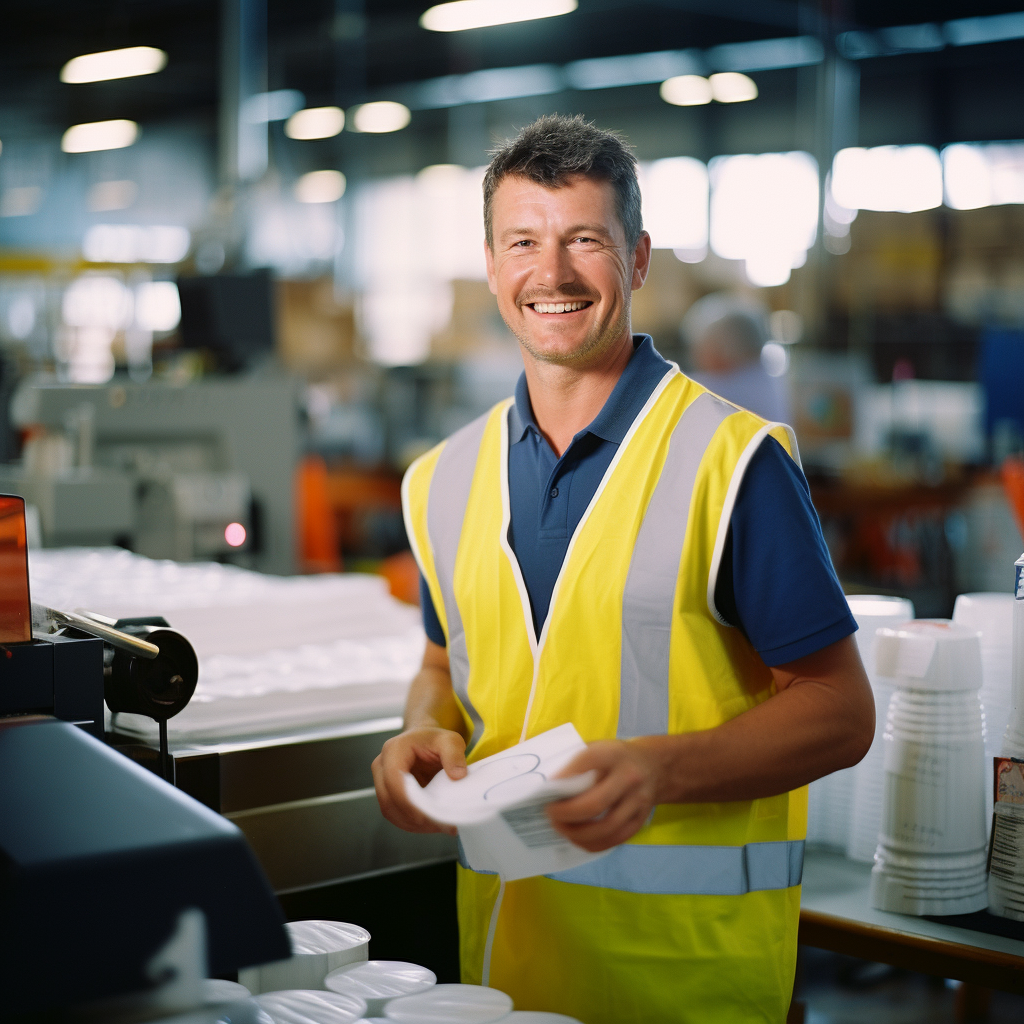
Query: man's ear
point(641, 261)
point(492, 277)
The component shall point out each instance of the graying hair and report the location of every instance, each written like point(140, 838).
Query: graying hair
point(554, 149)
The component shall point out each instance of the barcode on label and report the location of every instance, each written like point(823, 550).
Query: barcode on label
point(530, 823)
point(1008, 848)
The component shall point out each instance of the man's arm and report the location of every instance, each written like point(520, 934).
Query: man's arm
point(820, 719)
point(432, 738)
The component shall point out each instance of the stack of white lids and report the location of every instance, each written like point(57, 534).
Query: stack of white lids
point(377, 982)
point(451, 1004)
point(872, 613)
point(992, 616)
point(216, 991)
point(309, 1006)
point(318, 947)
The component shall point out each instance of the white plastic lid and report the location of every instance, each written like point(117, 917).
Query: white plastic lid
point(311, 1006)
point(930, 654)
point(539, 1017)
point(451, 1004)
point(324, 936)
point(216, 990)
point(990, 614)
point(380, 979)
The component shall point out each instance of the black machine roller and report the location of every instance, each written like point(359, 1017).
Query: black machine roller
point(157, 687)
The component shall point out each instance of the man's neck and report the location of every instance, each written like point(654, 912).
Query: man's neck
point(566, 398)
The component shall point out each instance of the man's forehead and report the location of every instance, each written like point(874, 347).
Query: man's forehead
point(517, 196)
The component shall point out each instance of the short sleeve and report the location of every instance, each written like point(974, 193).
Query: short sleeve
point(431, 623)
point(776, 581)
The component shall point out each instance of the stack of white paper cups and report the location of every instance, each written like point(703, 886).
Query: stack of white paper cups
point(318, 947)
point(932, 848)
point(1006, 880)
point(992, 616)
point(872, 613)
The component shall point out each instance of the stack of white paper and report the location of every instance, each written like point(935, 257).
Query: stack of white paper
point(498, 807)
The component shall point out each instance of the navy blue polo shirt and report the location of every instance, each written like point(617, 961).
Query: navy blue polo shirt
point(775, 582)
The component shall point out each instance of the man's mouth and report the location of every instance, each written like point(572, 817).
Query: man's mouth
point(560, 307)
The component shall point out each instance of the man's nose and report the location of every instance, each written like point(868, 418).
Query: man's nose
point(554, 266)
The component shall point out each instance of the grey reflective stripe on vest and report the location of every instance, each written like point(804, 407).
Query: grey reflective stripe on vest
point(446, 509)
point(693, 870)
point(649, 597)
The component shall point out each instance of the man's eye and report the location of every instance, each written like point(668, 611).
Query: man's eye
point(523, 243)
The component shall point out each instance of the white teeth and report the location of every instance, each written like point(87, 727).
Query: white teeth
point(558, 307)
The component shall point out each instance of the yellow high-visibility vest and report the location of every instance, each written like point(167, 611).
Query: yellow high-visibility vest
point(695, 918)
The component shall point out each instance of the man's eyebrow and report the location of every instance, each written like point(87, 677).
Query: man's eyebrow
point(589, 229)
point(514, 232)
point(577, 229)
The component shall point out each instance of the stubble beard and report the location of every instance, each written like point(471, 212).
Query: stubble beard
point(596, 341)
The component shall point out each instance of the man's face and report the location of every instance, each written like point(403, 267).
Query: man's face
point(561, 269)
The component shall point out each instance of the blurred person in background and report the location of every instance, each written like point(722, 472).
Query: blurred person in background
point(725, 335)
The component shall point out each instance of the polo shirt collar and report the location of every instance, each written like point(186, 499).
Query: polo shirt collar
point(645, 368)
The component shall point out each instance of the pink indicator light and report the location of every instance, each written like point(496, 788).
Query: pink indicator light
point(234, 534)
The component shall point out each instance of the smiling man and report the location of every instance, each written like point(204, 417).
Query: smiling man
point(618, 548)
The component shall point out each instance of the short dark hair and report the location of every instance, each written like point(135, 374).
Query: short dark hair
point(554, 149)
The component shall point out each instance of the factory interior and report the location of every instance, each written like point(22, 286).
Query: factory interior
point(247, 288)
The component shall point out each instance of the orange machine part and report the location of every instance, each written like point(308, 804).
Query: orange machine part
point(1013, 484)
point(319, 550)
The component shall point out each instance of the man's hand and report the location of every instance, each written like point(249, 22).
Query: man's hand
point(618, 804)
point(421, 753)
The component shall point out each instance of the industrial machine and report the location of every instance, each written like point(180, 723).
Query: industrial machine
point(201, 471)
point(119, 894)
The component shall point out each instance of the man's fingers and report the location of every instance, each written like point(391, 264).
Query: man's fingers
point(599, 756)
point(609, 832)
point(604, 794)
point(452, 749)
point(388, 778)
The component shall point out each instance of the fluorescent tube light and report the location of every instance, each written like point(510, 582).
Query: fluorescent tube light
point(97, 135)
point(379, 117)
point(320, 187)
point(315, 123)
point(101, 67)
point(686, 91)
point(732, 87)
point(466, 14)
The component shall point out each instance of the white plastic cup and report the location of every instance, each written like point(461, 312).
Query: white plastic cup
point(872, 612)
point(318, 947)
point(451, 1004)
point(377, 982)
point(932, 848)
point(311, 1006)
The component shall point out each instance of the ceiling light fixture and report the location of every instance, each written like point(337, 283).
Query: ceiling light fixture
point(315, 123)
point(686, 91)
point(382, 116)
point(732, 87)
point(102, 67)
point(466, 14)
point(97, 135)
point(320, 187)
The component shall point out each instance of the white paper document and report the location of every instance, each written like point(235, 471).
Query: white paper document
point(498, 807)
